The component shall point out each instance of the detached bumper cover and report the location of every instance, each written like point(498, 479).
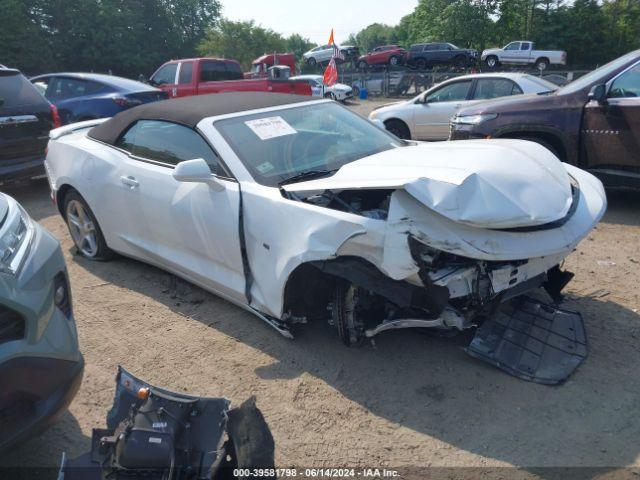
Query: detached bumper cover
point(532, 341)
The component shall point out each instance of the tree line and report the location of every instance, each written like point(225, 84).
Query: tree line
point(133, 37)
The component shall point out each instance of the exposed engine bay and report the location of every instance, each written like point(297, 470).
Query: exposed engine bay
point(153, 433)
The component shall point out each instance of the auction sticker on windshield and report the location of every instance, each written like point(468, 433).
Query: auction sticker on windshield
point(272, 127)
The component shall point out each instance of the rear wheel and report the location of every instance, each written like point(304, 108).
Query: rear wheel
point(398, 128)
point(541, 64)
point(84, 229)
point(394, 61)
point(311, 62)
point(330, 95)
point(421, 64)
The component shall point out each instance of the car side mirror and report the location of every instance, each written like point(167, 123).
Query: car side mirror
point(196, 171)
point(598, 93)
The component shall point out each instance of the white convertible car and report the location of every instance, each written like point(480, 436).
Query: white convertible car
point(301, 210)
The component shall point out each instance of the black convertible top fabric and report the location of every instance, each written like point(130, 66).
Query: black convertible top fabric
point(190, 110)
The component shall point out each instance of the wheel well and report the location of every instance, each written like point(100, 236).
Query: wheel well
point(61, 194)
point(542, 58)
point(398, 120)
point(308, 292)
point(553, 140)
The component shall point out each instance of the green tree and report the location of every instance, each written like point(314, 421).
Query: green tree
point(242, 41)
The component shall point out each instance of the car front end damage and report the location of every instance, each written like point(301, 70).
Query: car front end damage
point(450, 249)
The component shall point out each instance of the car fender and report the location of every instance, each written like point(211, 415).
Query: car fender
point(531, 129)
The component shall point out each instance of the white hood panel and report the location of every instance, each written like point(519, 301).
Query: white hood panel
point(485, 184)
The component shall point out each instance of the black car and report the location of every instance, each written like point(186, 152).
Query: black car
point(25, 120)
point(428, 55)
point(592, 122)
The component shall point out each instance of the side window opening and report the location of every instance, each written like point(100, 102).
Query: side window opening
point(168, 143)
point(166, 75)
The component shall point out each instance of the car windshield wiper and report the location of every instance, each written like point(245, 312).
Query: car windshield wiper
point(306, 175)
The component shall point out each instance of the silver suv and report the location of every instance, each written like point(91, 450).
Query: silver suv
point(40, 364)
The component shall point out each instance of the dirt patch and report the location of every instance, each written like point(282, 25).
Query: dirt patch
point(410, 400)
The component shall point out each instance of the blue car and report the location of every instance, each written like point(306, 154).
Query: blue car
point(87, 96)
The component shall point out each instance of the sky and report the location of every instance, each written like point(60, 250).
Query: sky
point(314, 19)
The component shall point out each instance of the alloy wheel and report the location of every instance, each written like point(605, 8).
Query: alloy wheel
point(82, 229)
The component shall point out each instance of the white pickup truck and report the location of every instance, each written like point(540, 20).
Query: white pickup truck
point(523, 53)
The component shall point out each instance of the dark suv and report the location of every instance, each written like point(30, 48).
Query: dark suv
point(592, 122)
point(25, 120)
point(428, 55)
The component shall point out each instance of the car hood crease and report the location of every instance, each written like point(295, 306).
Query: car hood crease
point(485, 184)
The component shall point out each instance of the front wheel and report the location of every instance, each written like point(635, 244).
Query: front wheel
point(311, 62)
point(345, 315)
point(421, 64)
point(491, 62)
point(394, 61)
point(84, 228)
point(460, 62)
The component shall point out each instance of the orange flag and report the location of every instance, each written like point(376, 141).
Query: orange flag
point(330, 74)
point(331, 42)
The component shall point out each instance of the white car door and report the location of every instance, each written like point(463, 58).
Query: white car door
point(188, 228)
point(325, 54)
point(433, 115)
point(511, 53)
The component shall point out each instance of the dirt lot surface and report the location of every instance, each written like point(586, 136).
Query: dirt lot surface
point(410, 400)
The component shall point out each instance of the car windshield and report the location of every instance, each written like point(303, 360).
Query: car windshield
point(601, 74)
point(278, 145)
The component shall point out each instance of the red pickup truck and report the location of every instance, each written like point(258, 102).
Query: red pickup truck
point(200, 76)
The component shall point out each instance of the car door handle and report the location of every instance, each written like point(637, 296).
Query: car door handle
point(129, 181)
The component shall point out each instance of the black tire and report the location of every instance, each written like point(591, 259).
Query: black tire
point(541, 64)
point(99, 250)
point(394, 61)
point(398, 128)
point(356, 91)
point(544, 143)
point(460, 61)
point(492, 62)
point(311, 62)
point(362, 65)
point(330, 95)
point(421, 64)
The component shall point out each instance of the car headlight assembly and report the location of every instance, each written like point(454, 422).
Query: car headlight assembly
point(373, 115)
point(15, 241)
point(473, 119)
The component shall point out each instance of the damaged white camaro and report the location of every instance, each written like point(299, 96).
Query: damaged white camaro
point(301, 210)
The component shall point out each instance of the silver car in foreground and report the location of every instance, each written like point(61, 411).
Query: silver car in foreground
point(40, 364)
point(427, 116)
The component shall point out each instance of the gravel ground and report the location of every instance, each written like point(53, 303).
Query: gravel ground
point(410, 400)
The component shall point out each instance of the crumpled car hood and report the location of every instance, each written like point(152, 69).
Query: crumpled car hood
point(481, 183)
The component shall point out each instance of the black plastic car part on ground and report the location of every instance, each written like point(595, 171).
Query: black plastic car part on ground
point(25, 120)
point(532, 341)
point(153, 433)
